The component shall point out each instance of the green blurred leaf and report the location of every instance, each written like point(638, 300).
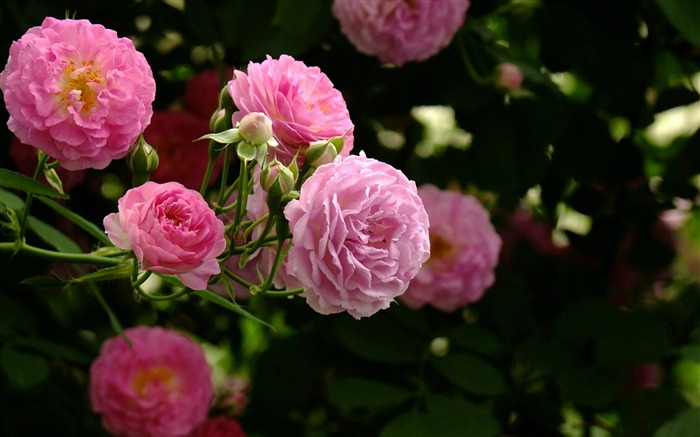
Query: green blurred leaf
point(685, 16)
point(470, 373)
point(44, 282)
point(358, 393)
point(52, 236)
point(686, 424)
point(586, 387)
point(691, 352)
point(11, 179)
point(296, 17)
point(23, 369)
point(229, 305)
point(121, 270)
point(475, 338)
point(379, 339)
point(446, 417)
point(11, 200)
point(83, 223)
point(52, 349)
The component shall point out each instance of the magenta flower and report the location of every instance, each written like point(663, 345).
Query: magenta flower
point(360, 234)
point(219, 426)
point(158, 386)
point(301, 101)
point(172, 134)
point(464, 252)
point(171, 230)
point(399, 31)
point(78, 92)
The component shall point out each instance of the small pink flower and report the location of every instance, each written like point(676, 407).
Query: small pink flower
point(464, 252)
point(399, 31)
point(301, 102)
point(360, 234)
point(219, 426)
point(509, 77)
point(202, 92)
point(78, 92)
point(171, 230)
point(158, 386)
point(181, 159)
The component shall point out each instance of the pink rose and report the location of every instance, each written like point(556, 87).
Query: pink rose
point(219, 426)
point(399, 31)
point(202, 92)
point(172, 135)
point(158, 386)
point(509, 77)
point(301, 102)
point(78, 92)
point(464, 252)
point(360, 234)
point(171, 230)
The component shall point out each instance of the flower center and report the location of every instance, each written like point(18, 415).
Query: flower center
point(79, 85)
point(157, 378)
point(440, 248)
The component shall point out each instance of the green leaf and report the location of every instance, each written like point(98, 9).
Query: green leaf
point(229, 136)
point(586, 387)
point(44, 282)
point(53, 236)
point(475, 338)
point(685, 424)
point(470, 373)
point(23, 369)
point(359, 393)
point(121, 270)
point(229, 305)
point(379, 339)
point(685, 16)
point(691, 352)
point(295, 19)
point(11, 200)
point(246, 151)
point(52, 349)
point(11, 179)
point(446, 417)
point(83, 223)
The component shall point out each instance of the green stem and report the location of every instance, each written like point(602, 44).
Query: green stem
point(238, 279)
point(207, 173)
point(469, 66)
point(224, 175)
point(142, 279)
point(285, 293)
point(60, 256)
point(154, 298)
point(279, 257)
point(242, 194)
point(43, 157)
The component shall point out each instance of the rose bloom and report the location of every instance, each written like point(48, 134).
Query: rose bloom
point(180, 158)
point(301, 102)
point(399, 31)
point(202, 92)
point(219, 426)
point(171, 230)
point(78, 92)
point(360, 234)
point(464, 252)
point(158, 386)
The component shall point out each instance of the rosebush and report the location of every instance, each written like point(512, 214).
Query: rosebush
point(584, 161)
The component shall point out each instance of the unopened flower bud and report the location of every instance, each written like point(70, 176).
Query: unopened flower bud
point(324, 152)
point(142, 160)
point(220, 121)
point(508, 77)
point(255, 128)
point(277, 179)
